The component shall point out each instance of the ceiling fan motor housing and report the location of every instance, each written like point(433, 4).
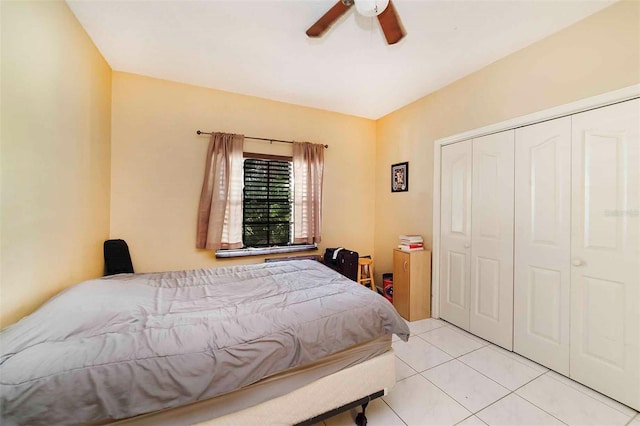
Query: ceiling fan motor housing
point(370, 8)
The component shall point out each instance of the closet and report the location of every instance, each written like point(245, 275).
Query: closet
point(605, 251)
point(476, 261)
point(539, 248)
point(542, 243)
point(491, 293)
point(455, 239)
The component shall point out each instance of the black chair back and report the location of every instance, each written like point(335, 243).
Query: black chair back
point(117, 259)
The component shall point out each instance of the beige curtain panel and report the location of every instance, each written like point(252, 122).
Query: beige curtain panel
point(308, 169)
point(220, 211)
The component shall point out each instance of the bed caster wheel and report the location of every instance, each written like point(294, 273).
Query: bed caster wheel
point(361, 420)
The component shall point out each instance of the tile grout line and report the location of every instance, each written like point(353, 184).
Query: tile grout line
point(441, 390)
point(428, 331)
point(457, 358)
point(488, 345)
point(493, 403)
point(455, 400)
point(445, 362)
point(471, 367)
point(531, 402)
point(473, 415)
point(481, 373)
point(408, 376)
point(590, 396)
point(525, 399)
point(410, 367)
point(441, 349)
point(514, 392)
point(510, 391)
point(450, 396)
point(477, 371)
point(517, 360)
point(637, 416)
point(467, 353)
point(457, 331)
point(394, 411)
point(544, 374)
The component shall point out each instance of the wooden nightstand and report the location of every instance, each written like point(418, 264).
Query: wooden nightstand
point(412, 284)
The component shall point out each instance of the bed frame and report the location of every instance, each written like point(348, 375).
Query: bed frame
point(344, 390)
point(361, 418)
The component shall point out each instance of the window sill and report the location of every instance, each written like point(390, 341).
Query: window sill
point(257, 251)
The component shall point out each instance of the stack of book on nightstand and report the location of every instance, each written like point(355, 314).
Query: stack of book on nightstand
point(411, 243)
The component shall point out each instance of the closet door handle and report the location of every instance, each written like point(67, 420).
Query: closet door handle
point(404, 266)
point(577, 262)
point(467, 245)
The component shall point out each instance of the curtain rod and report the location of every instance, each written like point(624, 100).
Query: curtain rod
point(257, 139)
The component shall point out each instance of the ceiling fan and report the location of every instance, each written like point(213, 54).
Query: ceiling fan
point(383, 9)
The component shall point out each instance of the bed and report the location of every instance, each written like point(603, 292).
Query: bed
point(229, 344)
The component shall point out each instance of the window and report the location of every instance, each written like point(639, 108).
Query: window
point(267, 202)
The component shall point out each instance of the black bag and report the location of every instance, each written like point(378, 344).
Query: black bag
point(330, 256)
point(117, 259)
point(342, 261)
point(348, 264)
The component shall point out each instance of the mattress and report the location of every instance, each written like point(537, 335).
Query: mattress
point(265, 389)
point(130, 344)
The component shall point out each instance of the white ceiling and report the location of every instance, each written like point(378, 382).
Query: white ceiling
point(260, 48)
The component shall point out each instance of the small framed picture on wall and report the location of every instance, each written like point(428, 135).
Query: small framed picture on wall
point(400, 177)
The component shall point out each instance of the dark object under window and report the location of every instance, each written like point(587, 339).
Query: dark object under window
point(117, 259)
point(267, 203)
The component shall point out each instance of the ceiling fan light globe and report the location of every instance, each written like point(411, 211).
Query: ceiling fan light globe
point(371, 8)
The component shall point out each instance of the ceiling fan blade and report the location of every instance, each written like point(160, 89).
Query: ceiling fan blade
point(391, 25)
point(317, 29)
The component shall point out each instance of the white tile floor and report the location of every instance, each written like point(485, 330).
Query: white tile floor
point(446, 376)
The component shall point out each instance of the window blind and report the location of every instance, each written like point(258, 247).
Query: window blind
point(267, 203)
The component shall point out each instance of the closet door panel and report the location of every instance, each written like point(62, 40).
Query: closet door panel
point(491, 305)
point(455, 233)
point(605, 250)
point(542, 243)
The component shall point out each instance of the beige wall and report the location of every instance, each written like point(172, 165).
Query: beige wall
point(158, 165)
point(63, 192)
point(596, 55)
point(56, 103)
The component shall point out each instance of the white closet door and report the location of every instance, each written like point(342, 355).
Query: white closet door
point(455, 233)
point(542, 243)
point(605, 250)
point(491, 304)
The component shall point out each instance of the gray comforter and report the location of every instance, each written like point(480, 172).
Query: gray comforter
point(129, 344)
